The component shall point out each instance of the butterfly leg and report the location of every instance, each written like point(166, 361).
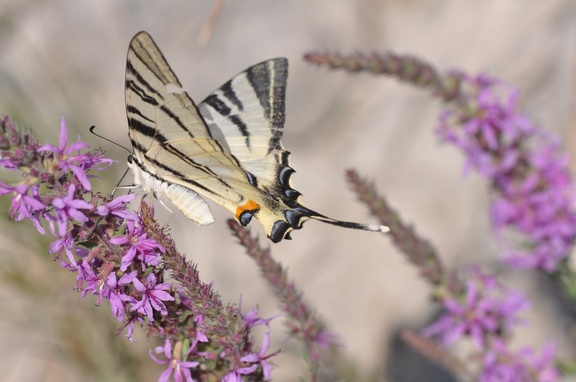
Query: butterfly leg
point(126, 187)
point(165, 206)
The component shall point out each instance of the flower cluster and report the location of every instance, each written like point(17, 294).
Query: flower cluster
point(303, 324)
point(532, 210)
point(486, 312)
point(534, 191)
point(502, 365)
point(483, 310)
point(122, 256)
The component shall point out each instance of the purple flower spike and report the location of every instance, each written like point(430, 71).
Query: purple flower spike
point(534, 189)
point(115, 254)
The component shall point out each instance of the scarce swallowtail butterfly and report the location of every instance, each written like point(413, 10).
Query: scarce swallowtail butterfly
point(226, 149)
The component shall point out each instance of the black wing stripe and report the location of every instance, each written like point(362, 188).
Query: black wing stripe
point(229, 93)
point(218, 105)
point(147, 131)
point(130, 69)
point(153, 133)
point(259, 78)
point(173, 172)
point(268, 79)
point(221, 108)
point(242, 127)
point(155, 56)
point(132, 110)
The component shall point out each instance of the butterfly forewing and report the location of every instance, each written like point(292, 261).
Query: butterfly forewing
point(170, 139)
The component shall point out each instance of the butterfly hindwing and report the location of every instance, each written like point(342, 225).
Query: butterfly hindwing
point(246, 115)
point(248, 111)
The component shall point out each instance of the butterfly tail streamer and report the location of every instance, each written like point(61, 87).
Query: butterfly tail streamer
point(294, 218)
point(352, 225)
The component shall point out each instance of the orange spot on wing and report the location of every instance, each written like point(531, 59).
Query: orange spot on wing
point(250, 205)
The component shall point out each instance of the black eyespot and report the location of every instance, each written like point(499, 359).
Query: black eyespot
point(245, 217)
point(130, 159)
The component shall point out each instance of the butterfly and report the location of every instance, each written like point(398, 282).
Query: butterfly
point(226, 149)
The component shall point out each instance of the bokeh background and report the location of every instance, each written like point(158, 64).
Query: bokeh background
point(68, 58)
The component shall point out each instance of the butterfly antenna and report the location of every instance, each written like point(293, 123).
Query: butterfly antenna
point(108, 140)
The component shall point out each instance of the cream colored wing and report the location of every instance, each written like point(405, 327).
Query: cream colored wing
point(164, 124)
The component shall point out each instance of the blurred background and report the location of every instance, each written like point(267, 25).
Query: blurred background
point(67, 58)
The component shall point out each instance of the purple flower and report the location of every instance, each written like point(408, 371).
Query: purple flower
point(117, 207)
point(140, 246)
point(23, 205)
point(66, 160)
point(485, 310)
point(180, 369)
point(252, 318)
point(256, 359)
point(116, 294)
point(63, 244)
point(259, 358)
point(68, 207)
point(94, 282)
point(232, 377)
point(152, 297)
point(93, 159)
point(503, 365)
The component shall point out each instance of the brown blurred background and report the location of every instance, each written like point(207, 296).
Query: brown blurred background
point(68, 58)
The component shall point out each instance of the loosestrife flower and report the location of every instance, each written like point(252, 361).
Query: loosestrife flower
point(503, 365)
point(69, 158)
point(302, 323)
point(153, 295)
point(139, 245)
point(487, 312)
point(484, 310)
point(533, 188)
point(254, 360)
point(533, 196)
point(176, 366)
point(116, 252)
point(534, 191)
